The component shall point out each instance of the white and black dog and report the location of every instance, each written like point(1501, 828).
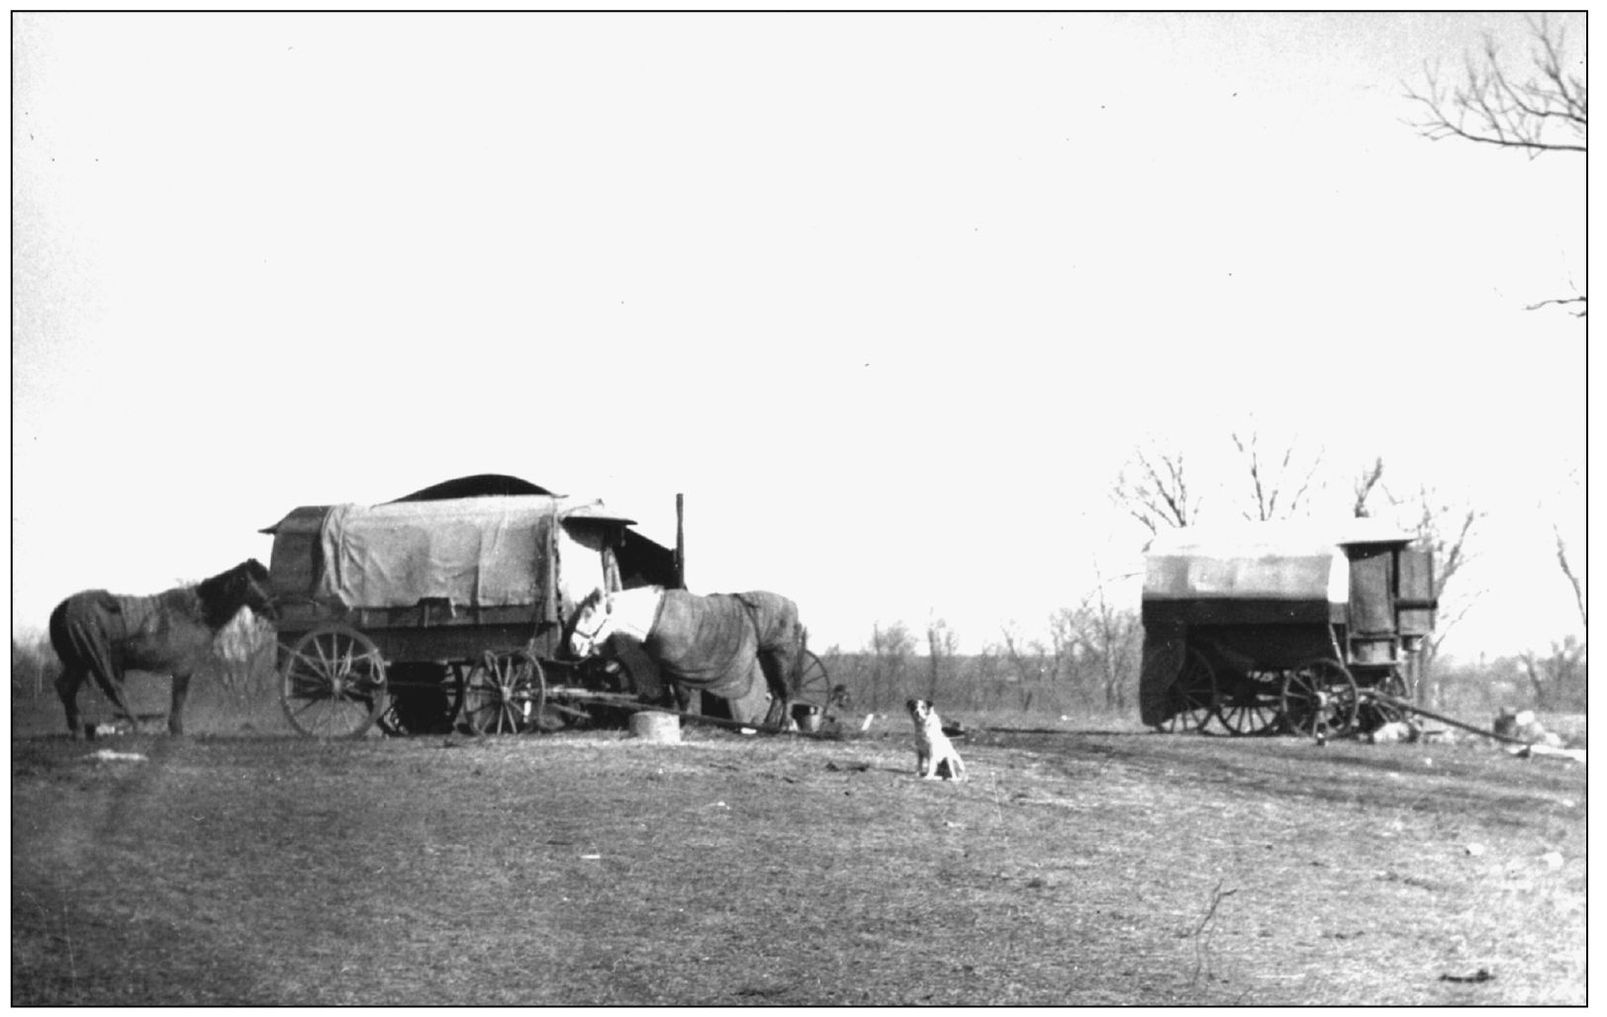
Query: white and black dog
point(934, 753)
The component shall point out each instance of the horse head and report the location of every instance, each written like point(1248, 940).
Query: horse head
point(593, 623)
point(245, 585)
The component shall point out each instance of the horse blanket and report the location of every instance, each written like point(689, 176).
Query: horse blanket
point(112, 633)
point(706, 643)
point(712, 642)
point(779, 637)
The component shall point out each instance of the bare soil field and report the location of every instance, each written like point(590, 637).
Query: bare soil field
point(1075, 867)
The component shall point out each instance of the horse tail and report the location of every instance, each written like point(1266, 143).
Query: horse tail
point(60, 640)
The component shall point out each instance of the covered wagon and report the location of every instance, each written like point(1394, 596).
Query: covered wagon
point(1263, 627)
point(448, 603)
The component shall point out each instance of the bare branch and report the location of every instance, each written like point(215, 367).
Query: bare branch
point(1160, 497)
point(1364, 485)
point(1268, 490)
point(1560, 301)
point(1573, 578)
point(1545, 112)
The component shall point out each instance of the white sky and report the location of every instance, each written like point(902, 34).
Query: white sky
point(890, 298)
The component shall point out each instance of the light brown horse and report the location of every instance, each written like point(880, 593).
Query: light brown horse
point(101, 635)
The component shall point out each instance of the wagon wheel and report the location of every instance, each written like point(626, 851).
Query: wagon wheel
point(1194, 694)
point(422, 699)
point(332, 682)
point(1373, 714)
point(504, 693)
point(813, 684)
point(1250, 705)
point(1319, 695)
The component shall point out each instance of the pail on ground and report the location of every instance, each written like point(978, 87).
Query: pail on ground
point(656, 726)
point(806, 716)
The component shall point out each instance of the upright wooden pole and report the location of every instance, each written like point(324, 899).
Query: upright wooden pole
point(680, 541)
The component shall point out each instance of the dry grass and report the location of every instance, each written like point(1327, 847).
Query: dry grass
point(1076, 867)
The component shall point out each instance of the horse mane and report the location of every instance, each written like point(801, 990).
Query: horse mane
point(590, 601)
point(224, 594)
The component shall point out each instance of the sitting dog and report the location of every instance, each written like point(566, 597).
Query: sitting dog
point(934, 753)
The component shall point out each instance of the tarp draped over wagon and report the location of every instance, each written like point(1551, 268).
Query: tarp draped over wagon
point(480, 552)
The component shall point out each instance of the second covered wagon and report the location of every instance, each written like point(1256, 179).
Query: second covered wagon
point(1266, 627)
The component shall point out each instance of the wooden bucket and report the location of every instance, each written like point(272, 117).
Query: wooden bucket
point(656, 726)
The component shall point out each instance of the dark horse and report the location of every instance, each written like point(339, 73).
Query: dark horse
point(100, 635)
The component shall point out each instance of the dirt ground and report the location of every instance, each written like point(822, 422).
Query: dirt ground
point(1075, 867)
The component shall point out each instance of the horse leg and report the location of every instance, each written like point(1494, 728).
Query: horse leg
point(687, 700)
point(175, 716)
point(67, 684)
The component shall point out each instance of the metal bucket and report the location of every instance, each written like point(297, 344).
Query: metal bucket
point(807, 717)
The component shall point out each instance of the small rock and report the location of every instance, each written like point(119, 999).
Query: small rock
point(1475, 850)
point(1552, 860)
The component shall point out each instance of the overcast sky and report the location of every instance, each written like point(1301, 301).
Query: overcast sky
point(890, 298)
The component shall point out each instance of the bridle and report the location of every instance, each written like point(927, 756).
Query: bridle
point(602, 623)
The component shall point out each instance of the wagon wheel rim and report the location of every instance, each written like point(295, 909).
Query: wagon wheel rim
point(1195, 694)
point(813, 685)
point(1319, 695)
point(504, 693)
point(1250, 706)
point(332, 682)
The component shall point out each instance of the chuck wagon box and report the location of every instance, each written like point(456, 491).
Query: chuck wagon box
point(449, 601)
point(1281, 626)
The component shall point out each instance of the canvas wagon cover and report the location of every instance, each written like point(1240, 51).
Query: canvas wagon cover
point(480, 552)
point(1298, 561)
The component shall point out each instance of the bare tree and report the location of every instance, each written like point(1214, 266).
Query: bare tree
point(1153, 488)
point(941, 646)
point(1363, 487)
point(1540, 107)
point(1445, 528)
point(1274, 480)
point(890, 650)
point(1557, 679)
point(33, 665)
point(1109, 639)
